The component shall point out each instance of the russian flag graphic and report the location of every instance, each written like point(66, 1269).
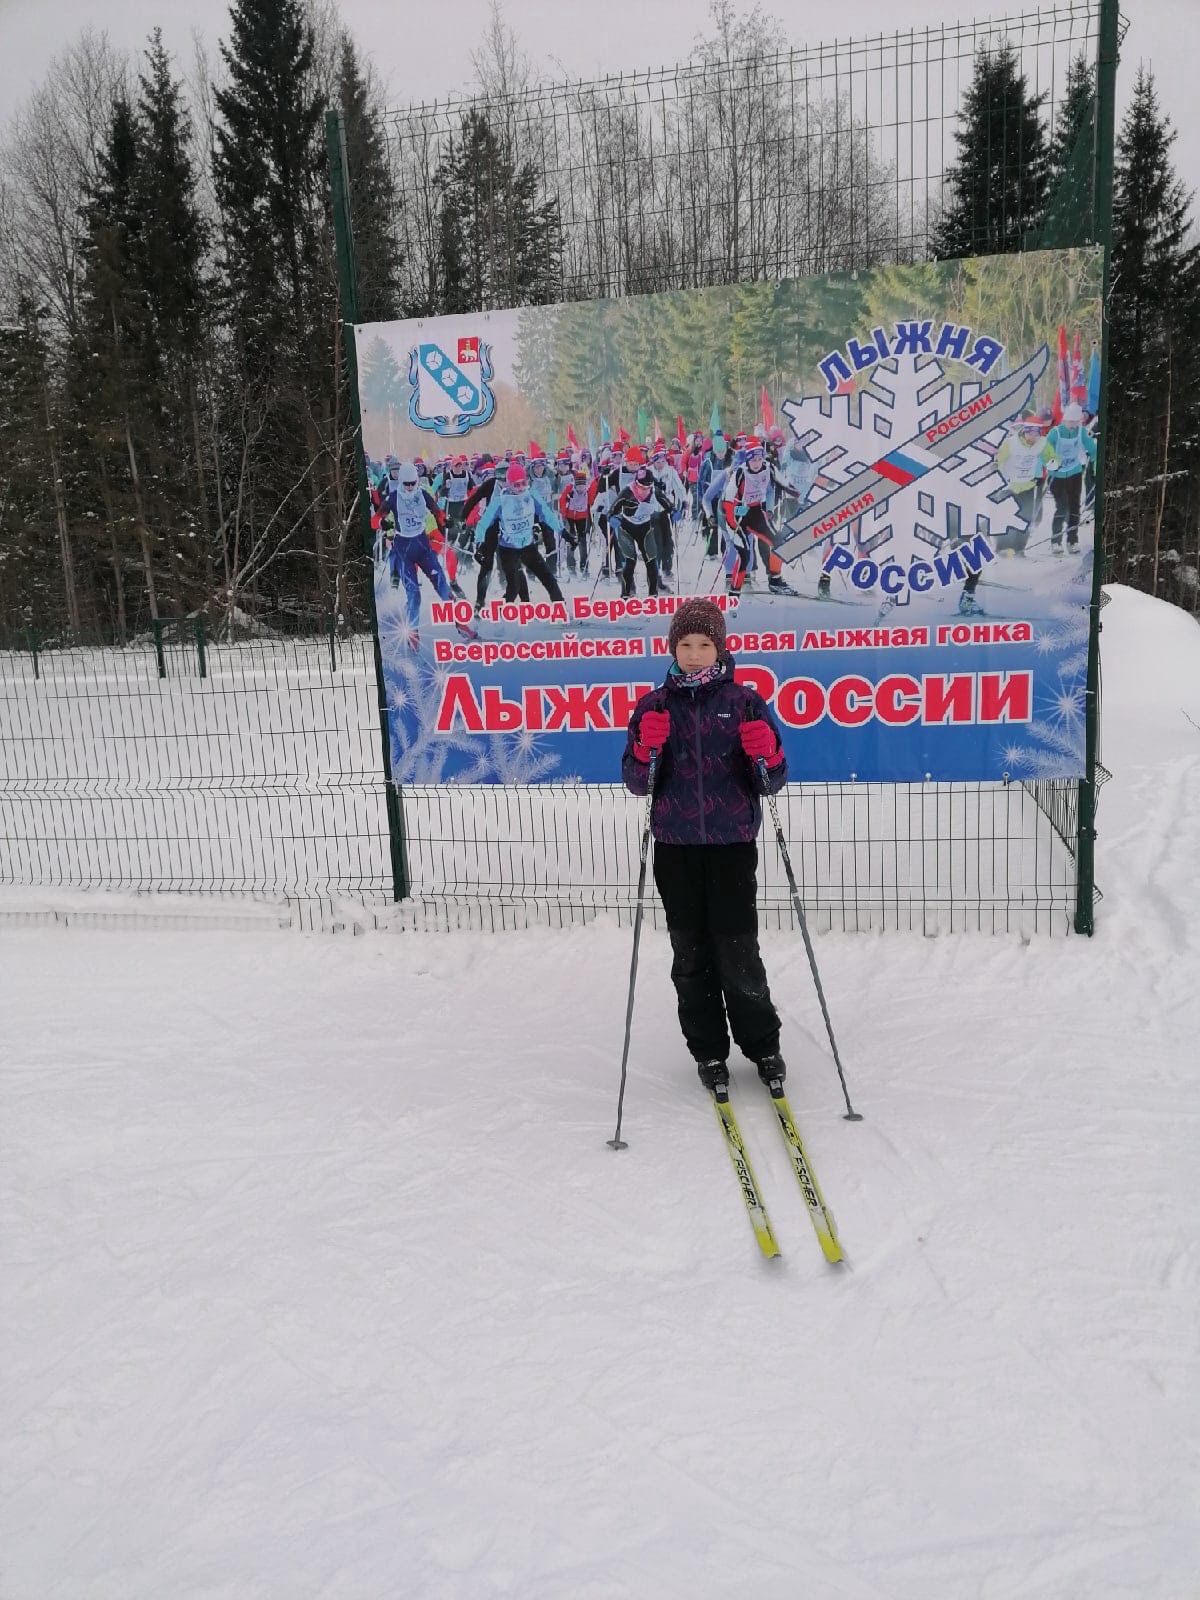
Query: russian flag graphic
point(906, 465)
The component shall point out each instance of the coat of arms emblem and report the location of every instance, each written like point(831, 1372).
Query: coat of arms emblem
point(451, 393)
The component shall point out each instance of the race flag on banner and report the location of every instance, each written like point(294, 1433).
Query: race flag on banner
point(643, 422)
point(1093, 387)
point(680, 434)
point(572, 441)
point(714, 422)
point(768, 415)
point(605, 431)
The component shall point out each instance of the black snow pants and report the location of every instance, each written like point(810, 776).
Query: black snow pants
point(708, 893)
point(1067, 494)
point(512, 563)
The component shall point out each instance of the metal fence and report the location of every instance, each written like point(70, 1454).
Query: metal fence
point(184, 763)
point(730, 167)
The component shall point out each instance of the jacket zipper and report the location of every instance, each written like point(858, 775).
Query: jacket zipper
point(699, 768)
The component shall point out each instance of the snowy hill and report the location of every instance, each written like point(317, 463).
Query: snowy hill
point(321, 1281)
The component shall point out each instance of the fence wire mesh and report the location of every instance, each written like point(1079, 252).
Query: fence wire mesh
point(723, 169)
point(194, 765)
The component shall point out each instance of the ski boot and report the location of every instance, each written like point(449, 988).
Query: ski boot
point(823, 584)
point(455, 590)
point(714, 1075)
point(968, 606)
point(773, 1070)
point(780, 585)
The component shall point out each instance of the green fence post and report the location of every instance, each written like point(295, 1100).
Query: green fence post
point(200, 651)
point(33, 650)
point(339, 184)
point(1102, 203)
point(158, 648)
point(333, 644)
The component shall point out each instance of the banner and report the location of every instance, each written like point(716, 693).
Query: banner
point(894, 513)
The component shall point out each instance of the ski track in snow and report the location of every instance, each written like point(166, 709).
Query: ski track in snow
point(320, 1279)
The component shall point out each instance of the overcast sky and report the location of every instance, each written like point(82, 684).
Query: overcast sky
point(423, 50)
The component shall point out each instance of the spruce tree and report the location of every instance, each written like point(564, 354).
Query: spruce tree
point(1073, 121)
point(169, 250)
point(31, 594)
point(166, 260)
point(372, 194)
point(132, 369)
point(997, 187)
point(1154, 416)
point(500, 242)
point(384, 386)
point(1070, 202)
point(278, 298)
point(267, 169)
point(109, 388)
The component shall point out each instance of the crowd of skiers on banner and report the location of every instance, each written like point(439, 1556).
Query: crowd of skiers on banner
point(548, 517)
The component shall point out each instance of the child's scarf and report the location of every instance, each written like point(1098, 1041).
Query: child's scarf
point(695, 680)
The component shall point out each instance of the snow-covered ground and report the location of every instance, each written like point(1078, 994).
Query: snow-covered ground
point(320, 1280)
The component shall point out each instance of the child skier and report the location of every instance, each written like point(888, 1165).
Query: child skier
point(710, 734)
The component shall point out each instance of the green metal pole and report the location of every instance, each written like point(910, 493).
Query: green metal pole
point(158, 648)
point(201, 654)
point(33, 650)
point(1102, 204)
point(339, 184)
point(332, 643)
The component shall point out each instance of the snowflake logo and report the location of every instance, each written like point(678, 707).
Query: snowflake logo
point(960, 498)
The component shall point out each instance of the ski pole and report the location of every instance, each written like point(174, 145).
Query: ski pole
point(851, 1114)
point(616, 1142)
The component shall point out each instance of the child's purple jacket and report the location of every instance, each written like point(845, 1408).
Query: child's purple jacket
point(706, 789)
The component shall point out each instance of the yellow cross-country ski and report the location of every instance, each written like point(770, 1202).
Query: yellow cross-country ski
point(819, 1213)
point(747, 1183)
